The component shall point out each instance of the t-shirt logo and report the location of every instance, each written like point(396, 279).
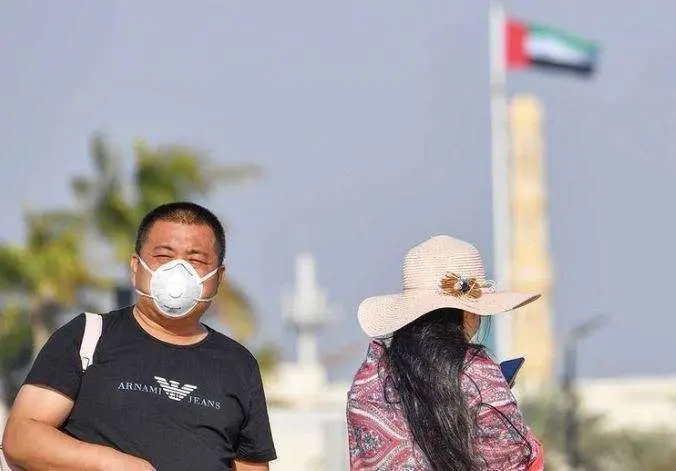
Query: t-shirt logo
point(173, 389)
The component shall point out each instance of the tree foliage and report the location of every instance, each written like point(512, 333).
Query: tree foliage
point(601, 448)
point(45, 275)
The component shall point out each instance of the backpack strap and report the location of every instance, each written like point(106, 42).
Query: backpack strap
point(92, 333)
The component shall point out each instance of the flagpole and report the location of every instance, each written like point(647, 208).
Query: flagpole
point(500, 149)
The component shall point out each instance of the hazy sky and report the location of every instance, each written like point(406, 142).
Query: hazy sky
point(371, 120)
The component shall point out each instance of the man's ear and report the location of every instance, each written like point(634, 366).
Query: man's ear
point(133, 264)
point(221, 274)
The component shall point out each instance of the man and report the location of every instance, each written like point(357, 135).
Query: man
point(164, 391)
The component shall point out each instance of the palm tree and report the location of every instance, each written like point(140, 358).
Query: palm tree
point(161, 174)
point(16, 348)
point(49, 271)
point(38, 280)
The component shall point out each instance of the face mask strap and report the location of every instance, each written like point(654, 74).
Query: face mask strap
point(145, 265)
point(209, 275)
point(142, 293)
point(206, 300)
point(205, 278)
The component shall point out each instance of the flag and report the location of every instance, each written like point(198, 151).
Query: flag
point(531, 45)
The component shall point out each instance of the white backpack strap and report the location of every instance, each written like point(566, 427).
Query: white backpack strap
point(92, 333)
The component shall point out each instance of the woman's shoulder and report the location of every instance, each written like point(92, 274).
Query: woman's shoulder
point(481, 379)
point(478, 362)
point(367, 376)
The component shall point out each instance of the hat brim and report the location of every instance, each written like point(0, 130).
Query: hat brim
point(382, 315)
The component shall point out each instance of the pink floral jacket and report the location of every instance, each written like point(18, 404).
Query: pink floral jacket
point(380, 440)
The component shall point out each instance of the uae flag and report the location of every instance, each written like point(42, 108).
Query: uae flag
point(532, 45)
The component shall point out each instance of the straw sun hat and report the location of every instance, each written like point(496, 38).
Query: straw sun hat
point(442, 272)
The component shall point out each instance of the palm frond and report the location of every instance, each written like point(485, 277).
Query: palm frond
point(234, 311)
point(232, 174)
point(15, 273)
point(105, 162)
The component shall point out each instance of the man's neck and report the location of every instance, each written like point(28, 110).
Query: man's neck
point(185, 331)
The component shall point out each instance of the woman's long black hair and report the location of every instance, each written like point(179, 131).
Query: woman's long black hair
point(424, 361)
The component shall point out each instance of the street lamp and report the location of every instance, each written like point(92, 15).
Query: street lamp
point(571, 341)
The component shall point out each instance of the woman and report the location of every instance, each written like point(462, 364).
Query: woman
point(426, 397)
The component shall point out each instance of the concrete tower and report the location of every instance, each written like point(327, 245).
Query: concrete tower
point(531, 266)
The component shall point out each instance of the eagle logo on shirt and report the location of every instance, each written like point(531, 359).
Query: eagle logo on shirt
point(173, 388)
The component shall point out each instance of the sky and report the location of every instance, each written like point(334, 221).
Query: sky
point(371, 122)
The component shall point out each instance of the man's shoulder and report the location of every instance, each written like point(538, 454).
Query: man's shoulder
point(229, 346)
point(73, 328)
point(116, 314)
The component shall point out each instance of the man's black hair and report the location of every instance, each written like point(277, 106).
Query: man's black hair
point(185, 213)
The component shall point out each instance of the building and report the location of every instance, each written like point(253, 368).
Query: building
point(531, 329)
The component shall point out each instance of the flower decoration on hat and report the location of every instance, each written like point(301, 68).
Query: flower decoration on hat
point(458, 286)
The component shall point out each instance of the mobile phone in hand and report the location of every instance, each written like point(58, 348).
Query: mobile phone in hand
point(510, 368)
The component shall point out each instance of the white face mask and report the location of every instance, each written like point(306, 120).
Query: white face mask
point(176, 287)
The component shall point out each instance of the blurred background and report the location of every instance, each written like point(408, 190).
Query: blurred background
point(331, 138)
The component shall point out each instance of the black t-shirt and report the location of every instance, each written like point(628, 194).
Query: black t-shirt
point(180, 407)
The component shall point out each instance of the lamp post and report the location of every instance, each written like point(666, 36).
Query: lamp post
point(575, 335)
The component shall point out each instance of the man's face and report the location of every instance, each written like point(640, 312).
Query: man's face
point(167, 241)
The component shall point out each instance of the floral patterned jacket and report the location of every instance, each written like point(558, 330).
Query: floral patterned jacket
point(380, 440)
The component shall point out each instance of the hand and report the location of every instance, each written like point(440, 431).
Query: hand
point(118, 460)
